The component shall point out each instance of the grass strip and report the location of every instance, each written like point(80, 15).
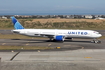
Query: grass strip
point(24, 48)
point(56, 24)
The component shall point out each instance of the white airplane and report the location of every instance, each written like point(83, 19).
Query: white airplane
point(55, 34)
point(99, 18)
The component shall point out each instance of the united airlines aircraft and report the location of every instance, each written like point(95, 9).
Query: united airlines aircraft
point(55, 34)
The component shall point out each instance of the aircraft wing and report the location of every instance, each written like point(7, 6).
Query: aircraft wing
point(48, 35)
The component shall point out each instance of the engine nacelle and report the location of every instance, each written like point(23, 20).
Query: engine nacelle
point(59, 38)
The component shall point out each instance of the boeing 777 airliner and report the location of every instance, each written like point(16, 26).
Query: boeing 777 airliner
point(55, 34)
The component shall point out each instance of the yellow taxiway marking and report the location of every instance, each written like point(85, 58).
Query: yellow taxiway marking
point(22, 48)
point(58, 47)
point(82, 47)
point(38, 50)
point(3, 43)
point(12, 51)
point(27, 44)
point(49, 44)
point(87, 57)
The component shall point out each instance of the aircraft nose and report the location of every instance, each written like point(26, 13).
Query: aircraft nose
point(100, 35)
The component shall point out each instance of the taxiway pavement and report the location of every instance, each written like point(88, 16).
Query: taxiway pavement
point(67, 44)
point(88, 59)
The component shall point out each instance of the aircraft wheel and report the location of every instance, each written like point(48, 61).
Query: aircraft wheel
point(96, 41)
point(99, 41)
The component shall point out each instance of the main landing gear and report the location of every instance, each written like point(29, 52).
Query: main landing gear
point(96, 41)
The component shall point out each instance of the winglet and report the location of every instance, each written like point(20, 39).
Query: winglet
point(17, 25)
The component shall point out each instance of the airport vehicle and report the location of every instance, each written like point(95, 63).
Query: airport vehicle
point(55, 34)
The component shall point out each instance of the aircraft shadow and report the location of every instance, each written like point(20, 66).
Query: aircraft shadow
point(46, 41)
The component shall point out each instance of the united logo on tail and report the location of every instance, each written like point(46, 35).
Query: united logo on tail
point(17, 25)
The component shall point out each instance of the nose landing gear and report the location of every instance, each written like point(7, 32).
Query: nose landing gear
point(96, 41)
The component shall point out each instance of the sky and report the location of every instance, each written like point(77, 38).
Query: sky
point(52, 6)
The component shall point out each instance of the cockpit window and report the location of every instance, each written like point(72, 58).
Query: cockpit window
point(96, 32)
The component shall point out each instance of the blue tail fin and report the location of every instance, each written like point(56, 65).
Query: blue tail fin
point(17, 25)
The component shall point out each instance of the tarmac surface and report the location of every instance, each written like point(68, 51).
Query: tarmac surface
point(78, 54)
point(89, 59)
point(67, 44)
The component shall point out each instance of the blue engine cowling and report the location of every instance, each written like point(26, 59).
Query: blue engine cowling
point(59, 38)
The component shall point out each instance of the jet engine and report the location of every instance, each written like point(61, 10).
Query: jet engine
point(59, 38)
